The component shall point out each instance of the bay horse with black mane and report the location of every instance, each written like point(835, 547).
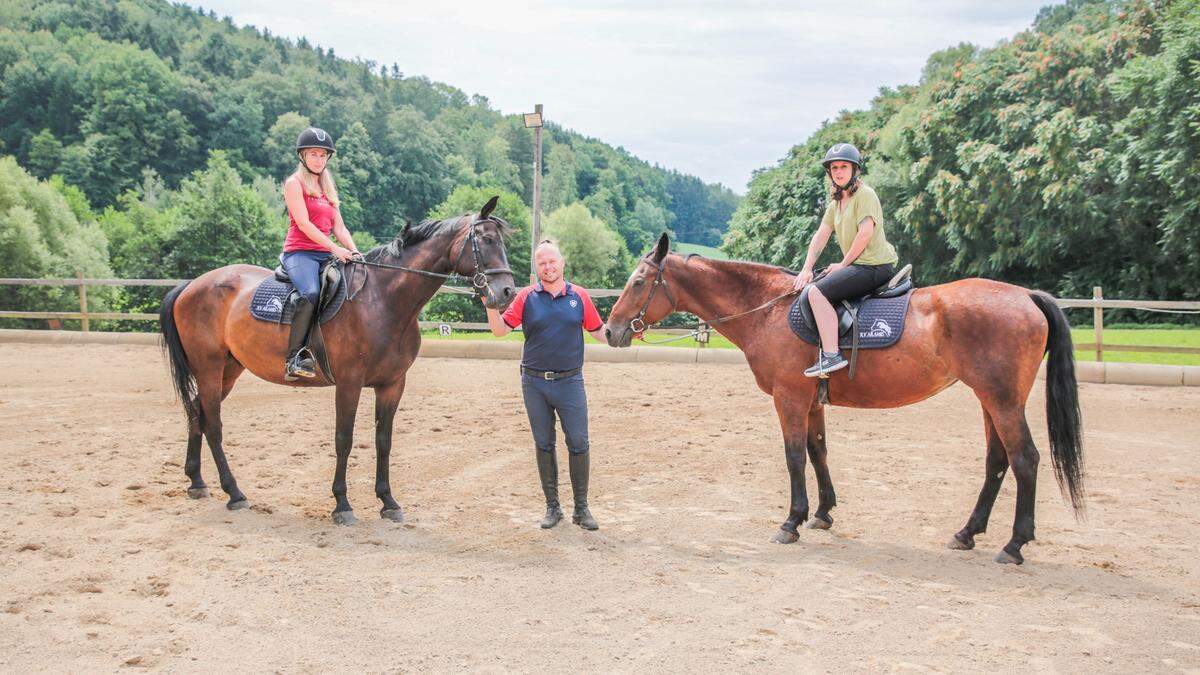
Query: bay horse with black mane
point(989, 335)
point(210, 338)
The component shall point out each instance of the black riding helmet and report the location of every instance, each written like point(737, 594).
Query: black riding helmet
point(313, 137)
point(843, 152)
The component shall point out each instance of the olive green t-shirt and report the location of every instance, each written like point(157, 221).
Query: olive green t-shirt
point(845, 227)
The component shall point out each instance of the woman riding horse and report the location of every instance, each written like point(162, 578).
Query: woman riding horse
point(868, 260)
point(989, 335)
point(312, 204)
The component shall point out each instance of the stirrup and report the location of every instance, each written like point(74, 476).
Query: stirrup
point(296, 367)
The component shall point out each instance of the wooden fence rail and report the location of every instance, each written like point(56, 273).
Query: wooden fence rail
point(1097, 303)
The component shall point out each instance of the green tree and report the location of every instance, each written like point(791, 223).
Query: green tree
point(40, 236)
point(221, 221)
point(591, 248)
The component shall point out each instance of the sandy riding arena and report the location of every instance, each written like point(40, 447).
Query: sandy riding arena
point(105, 563)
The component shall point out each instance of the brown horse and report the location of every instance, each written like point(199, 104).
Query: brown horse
point(211, 338)
point(987, 334)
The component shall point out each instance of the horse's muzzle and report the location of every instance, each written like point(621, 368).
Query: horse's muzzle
point(619, 336)
point(499, 296)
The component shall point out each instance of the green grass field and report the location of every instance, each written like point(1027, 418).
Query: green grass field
point(1150, 337)
point(706, 251)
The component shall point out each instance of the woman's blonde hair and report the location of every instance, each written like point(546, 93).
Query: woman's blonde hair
point(316, 186)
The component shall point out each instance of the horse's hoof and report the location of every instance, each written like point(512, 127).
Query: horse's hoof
point(394, 515)
point(785, 537)
point(198, 493)
point(958, 543)
point(1006, 558)
point(818, 523)
point(238, 505)
point(344, 518)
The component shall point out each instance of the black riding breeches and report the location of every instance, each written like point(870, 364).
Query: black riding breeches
point(854, 281)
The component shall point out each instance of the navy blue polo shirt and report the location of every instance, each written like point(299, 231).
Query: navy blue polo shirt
point(552, 325)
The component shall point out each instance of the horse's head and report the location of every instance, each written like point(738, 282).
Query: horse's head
point(645, 300)
point(483, 259)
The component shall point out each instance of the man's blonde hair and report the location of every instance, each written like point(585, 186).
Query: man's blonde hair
point(551, 244)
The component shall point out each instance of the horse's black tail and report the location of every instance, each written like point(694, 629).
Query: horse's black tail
point(181, 373)
point(1062, 403)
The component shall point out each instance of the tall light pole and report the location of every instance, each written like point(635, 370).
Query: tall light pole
point(533, 121)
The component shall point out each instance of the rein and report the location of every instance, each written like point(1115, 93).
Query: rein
point(479, 280)
point(661, 280)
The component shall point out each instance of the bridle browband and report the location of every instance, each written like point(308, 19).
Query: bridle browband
point(479, 279)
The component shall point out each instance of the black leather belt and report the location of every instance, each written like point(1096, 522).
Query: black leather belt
point(550, 375)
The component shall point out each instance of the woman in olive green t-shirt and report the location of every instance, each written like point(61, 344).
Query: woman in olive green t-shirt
point(855, 216)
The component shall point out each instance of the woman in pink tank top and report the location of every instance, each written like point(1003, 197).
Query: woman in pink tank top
point(312, 204)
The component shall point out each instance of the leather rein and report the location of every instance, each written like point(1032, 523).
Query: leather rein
point(479, 279)
point(661, 280)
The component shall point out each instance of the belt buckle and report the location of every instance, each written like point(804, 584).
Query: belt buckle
point(548, 375)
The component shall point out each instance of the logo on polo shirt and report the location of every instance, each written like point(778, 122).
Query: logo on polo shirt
point(574, 303)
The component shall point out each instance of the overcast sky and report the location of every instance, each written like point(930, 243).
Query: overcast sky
point(715, 89)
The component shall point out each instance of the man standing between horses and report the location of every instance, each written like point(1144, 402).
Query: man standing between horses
point(552, 313)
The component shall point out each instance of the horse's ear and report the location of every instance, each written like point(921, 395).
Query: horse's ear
point(488, 207)
point(664, 246)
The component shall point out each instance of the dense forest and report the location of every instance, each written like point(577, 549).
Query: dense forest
point(1063, 158)
point(158, 134)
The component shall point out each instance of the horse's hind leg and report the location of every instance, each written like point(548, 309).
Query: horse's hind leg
point(996, 467)
point(821, 520)
point(191, 467)
point(210, 384)
point(1023, 457)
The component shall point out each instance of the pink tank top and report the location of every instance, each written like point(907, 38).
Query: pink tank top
point(320, 213)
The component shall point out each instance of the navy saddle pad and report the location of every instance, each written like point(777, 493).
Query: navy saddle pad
point(270, 302)
point(880, 323)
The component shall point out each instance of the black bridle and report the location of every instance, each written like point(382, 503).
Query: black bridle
point(479, 280)
point(659, 280)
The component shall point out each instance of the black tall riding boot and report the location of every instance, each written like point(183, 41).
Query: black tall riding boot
point(579, 485)
point(299, 359)
point(547, 465)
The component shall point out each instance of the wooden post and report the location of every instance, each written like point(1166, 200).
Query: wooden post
point(1098, 323)
point(82, 298)
point(537, 192)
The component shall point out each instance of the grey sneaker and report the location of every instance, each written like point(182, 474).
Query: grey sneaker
point(826, 363)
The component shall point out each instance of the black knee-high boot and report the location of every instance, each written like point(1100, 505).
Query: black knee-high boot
point(299, 360)
point(579, 464)
point(547, 465)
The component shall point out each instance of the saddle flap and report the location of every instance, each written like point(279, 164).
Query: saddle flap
point(845, 320)
point(281, 275)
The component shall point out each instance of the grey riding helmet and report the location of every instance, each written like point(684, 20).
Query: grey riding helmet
point(842, 152)
point(314, 137)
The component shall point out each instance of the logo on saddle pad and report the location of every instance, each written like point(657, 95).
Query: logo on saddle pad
point(274, 304)
point(879, 329)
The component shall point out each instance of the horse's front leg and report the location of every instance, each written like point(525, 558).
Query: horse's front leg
point(343, 441)
point(793, 418)
point(386, 401)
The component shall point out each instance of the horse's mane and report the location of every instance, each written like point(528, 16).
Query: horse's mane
point(427, 229)
point(749, 263)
